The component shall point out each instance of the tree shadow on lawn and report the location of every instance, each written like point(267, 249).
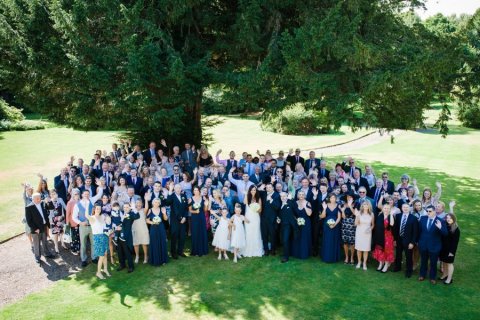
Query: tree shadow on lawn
point(453, 130)
point(259, 287)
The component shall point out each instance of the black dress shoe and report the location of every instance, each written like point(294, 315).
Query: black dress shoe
point(130, 270)
point(408, 275)
point(175, 257)
point(182, 255)
point(284, 260)
point(84, 264)
point(274, 253)
point(396, 270)
point(50, 256)
point(38, 261)
point(95, 261)
point(267, 253)
point(120, 268)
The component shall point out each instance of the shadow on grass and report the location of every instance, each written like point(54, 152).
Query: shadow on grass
point(263, 287)
point(453, 130)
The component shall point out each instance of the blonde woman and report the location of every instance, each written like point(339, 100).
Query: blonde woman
point(100, 239)
point(365, 222)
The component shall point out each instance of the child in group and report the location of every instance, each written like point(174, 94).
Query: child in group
point(116, 221)
point(220, 240)
point(238, 232)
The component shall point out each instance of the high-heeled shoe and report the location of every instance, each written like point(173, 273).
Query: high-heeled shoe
point(136, 259)
point(448, 283)
point(235, 260)
point(226, 257)
point(107, 273)
point(145, 261)
point(358, 266)
point(219, 257)
point(365, 267)
point(100, 276)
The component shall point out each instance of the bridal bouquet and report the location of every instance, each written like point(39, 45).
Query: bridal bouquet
point(196, 206)
point(156, 220)
point(330, 222)
point(301, 221)
point(255, 207)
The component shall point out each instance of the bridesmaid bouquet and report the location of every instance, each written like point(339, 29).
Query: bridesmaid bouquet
point(255, 207)
point(330, 222)
point(279, 220)
point(156, 220)
point(196, 206)
point(301, 222)
point(126, 216)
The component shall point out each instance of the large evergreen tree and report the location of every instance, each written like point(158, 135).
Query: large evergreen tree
point(143, 66)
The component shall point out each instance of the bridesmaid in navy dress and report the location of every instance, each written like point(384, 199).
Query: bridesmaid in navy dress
point(157, 254)
point(331, 216)
point(198, 206)
point(302, 244)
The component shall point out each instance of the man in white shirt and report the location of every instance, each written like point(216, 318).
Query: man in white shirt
point(242, 185)
point(81, 209)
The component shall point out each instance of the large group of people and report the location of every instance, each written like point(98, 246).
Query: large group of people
point(129, 202)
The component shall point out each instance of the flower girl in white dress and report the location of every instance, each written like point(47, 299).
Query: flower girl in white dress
point(238, 232)
point(221, 240)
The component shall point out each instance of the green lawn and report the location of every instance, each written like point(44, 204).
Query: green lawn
point(26, 153)
point(263, 287)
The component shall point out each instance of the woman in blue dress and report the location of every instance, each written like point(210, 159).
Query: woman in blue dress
point(331, 216)
point(302, 244)
point(157, 251)
point(199, 225)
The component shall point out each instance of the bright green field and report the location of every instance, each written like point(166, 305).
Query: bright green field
point(264, 288)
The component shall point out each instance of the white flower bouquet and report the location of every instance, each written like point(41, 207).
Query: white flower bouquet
point(156, 220)
point(255, 207)
point(330, 222)
point(196, 206)
point(301, 221)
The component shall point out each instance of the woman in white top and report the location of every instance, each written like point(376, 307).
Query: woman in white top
point(98, 222)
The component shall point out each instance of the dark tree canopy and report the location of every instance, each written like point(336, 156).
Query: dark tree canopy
point(143, 66)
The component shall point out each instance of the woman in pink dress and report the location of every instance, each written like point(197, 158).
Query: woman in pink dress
point(383, 239)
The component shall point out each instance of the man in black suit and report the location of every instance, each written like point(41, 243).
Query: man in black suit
point(294, 159)
point(150, 153)
point(136, 182)
point(388, 185)
point(61, 184)
point(176, 177)
point(106, 174)
point(405, 233)
point(431, 230)
point(311, 163)
point(376, 193)
point(357, 181)
point(178, 217)
point(271, 205)
point(350, 167)
point(289, 225)
point(322, 171)
point(318, 198)
point(37, 219)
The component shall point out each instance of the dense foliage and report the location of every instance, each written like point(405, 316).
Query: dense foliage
point(144, 66)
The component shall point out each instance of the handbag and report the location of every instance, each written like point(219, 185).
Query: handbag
point(67, 234)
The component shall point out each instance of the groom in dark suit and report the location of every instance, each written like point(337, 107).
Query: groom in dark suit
point(37, 220)
point(289, 226)
point(271, 205)
point(178, 217)
point(405, 233)
point(431, 230)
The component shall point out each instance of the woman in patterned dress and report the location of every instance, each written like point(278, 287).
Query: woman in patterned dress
point(348, 227)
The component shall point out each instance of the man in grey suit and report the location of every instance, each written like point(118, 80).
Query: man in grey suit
point(189, 158)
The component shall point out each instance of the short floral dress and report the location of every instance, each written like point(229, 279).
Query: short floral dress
point(348, 227)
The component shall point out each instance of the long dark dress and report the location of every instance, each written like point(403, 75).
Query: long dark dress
point(302, 244)
point(331, 238)
point(199, 232)
point(449, 245)
point(157, 251)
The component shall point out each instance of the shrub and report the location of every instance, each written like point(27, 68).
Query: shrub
point(10, 113)
point(469, 113)
point(296, 120)
point(6, 125)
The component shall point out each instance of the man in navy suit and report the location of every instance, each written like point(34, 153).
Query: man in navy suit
point(311, 163)
point(178, 217)
point(176, 177)
point(388, 185)
point(136, 182)
point(357, 181)
point(377, 192)
point(405, 233)
point(289, 226)
point(431, 230)
point(150, 153)
point(61, 184)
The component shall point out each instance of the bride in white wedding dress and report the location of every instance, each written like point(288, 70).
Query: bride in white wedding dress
point(253, 234)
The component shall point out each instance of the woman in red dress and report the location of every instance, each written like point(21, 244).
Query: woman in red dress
point(383, 239)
